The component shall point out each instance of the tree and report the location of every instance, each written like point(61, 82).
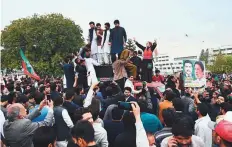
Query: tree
point(204, 55)
point(45, 39)
point(130, 44)
point(222, 63)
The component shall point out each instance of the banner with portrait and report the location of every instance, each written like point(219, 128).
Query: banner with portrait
point(194, 73)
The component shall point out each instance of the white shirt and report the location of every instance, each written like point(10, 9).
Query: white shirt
point(88, 99)
point(203, 131)
point(67, 118)
point(141, 136)
point(107, 38)
point(130, 84)
point(89, 62)
point(106, 45)
point(2, 120)
point(100, 135)
point(64, 82)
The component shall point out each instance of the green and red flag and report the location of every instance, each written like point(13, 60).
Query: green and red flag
point(27, 68)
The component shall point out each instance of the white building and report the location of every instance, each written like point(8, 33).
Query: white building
point(213, 52)
point(168, 65)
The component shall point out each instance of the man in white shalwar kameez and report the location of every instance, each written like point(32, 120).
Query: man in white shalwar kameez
point(94, 47)
point(89, 63)
point(105, 44)
point(99, 33)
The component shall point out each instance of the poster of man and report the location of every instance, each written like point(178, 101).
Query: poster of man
point(194, 73)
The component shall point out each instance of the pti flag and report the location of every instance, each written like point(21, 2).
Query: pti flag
point(27, 68)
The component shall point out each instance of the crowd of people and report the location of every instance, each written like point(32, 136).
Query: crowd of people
point(79, 111)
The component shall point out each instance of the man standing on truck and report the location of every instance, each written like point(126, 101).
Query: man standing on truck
point(105, 44)
point(92, 40)
point(117, 41)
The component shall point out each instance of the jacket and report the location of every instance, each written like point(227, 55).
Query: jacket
point(63, 131)
point(19, 133)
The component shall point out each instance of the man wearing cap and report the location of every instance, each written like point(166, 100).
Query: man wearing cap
point(222, 131)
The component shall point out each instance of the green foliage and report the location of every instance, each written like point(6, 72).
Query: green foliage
point(222, 63)
point(46, 40)
point(204, 55)
point(130, 44)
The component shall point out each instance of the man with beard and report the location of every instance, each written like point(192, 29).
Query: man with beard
point(117, 41)
point(105, 44)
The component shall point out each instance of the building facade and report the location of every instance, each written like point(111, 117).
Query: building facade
point(168, 65)
point(213, 52)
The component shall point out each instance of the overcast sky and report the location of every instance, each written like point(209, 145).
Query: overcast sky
point(208, 23)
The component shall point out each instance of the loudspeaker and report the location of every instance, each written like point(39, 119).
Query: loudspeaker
point(104, 71)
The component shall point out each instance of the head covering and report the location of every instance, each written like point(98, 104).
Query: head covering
point(224, 130)
point(151, 123)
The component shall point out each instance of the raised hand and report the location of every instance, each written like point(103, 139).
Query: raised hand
point(135, 109)
point(134, 39)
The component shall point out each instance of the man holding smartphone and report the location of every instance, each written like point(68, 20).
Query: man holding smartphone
point(182, 130)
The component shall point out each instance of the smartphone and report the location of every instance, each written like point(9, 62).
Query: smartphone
point(124, 105)
point(49, 97)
